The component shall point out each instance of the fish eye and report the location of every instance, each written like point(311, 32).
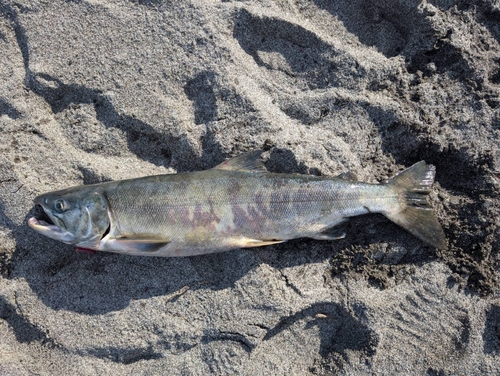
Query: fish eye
point(60, 206)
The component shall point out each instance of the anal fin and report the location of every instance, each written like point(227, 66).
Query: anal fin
point(244, 242)
point(332, 233)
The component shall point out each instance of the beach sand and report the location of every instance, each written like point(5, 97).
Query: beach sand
point(96, 90)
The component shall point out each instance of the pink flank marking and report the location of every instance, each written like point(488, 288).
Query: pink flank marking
point(86, 250)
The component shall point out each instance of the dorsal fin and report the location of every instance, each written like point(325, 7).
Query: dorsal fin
point(250, 161)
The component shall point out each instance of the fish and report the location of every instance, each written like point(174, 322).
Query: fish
point(237, 204)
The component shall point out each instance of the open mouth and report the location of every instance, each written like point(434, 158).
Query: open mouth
point(41, 216)
point(39, 223)
point(45, 226)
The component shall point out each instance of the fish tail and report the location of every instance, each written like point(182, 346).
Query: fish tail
point(414, 212)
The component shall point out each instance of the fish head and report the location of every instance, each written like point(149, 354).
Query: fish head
point(79, 215)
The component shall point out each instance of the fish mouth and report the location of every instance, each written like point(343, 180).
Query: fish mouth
point(47, 227)
point(41, 226)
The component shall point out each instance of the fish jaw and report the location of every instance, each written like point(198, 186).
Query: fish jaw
point(51, 231)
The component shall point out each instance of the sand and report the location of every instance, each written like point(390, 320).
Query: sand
point(99, 90)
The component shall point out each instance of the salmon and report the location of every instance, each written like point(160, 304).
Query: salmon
point(236, 204)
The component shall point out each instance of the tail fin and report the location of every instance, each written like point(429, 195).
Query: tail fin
point(414, 212)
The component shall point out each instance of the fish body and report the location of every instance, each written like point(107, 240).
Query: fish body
point(234, 205)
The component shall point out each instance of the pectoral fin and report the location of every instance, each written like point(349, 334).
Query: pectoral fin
point(134, 244)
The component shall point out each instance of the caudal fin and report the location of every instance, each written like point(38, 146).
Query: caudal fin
point(414, 212)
